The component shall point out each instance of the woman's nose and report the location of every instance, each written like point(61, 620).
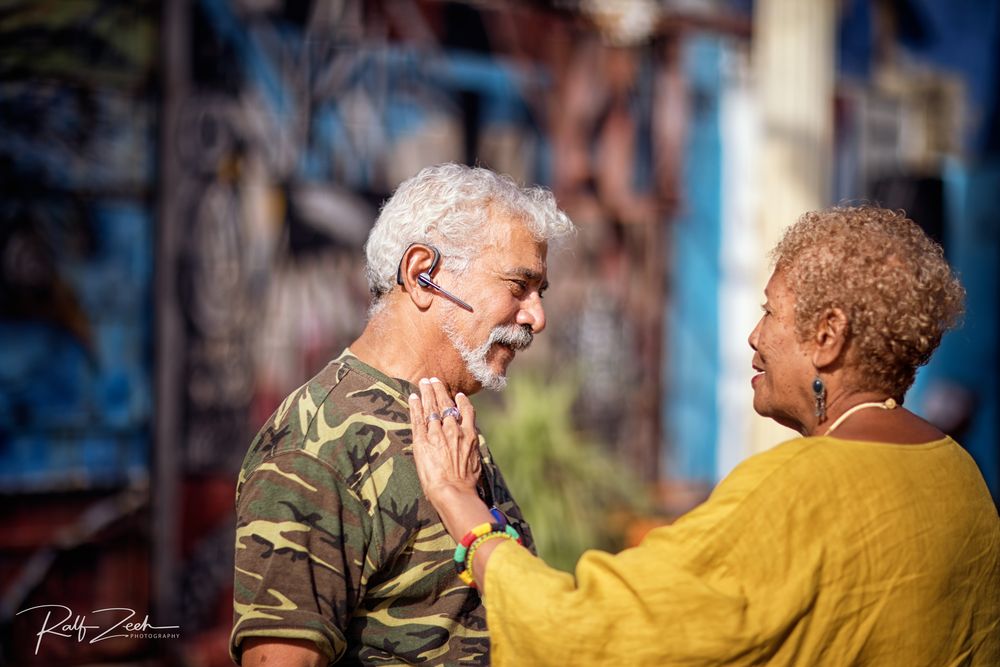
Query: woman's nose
point(755, 335)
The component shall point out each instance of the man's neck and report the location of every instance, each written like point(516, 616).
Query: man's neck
point(400, 347)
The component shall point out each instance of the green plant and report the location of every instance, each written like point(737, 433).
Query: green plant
point(573, 493)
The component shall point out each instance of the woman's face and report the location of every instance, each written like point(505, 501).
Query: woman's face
point(782, 387)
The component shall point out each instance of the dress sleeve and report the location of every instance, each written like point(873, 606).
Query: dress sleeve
point(723, 586)
point(303, 554)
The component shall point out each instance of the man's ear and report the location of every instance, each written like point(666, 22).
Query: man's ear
point(416, 260)
point(832, 329)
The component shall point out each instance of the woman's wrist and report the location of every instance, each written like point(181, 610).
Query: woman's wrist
point(475, 547)
point(460, 510)
point(482, 557)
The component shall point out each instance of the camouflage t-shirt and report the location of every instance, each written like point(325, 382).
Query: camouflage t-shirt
point(335, 541)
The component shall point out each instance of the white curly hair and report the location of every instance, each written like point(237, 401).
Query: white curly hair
point(452, 207)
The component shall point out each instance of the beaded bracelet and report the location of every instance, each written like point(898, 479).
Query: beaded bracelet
point(466, 549)
point(462, 550)
point(466, 574)
point(471, 557)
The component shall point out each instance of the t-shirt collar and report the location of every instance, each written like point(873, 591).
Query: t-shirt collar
point(403, 388)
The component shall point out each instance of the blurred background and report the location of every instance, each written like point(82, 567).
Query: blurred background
point(186, 185)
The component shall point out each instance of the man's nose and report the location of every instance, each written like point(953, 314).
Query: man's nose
point(532, 313)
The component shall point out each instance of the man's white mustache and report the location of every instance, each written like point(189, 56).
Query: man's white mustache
point(515, 336)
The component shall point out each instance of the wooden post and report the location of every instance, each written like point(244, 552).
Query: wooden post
point(794, 66)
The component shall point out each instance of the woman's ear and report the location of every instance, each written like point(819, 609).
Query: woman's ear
point(416, 260)
point(832, 328)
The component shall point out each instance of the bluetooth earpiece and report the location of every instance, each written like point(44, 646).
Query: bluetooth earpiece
point(424, 278)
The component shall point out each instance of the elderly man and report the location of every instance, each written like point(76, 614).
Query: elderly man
point(339, 556)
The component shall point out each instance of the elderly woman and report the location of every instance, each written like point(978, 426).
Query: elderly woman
point(871, 539)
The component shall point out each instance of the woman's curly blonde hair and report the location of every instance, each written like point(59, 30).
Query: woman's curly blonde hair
point(889, 278)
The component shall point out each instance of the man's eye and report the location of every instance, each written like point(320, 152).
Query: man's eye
point(518, 286)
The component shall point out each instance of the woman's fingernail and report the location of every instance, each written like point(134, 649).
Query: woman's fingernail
point(435, 380)
point(424, 381)
point(413, 397)
point(459, 394)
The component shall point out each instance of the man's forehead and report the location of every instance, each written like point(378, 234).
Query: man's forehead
point(521, 261)
point(518, 251)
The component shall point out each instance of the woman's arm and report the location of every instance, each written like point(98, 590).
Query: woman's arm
point(657, 603)
point(446, 453)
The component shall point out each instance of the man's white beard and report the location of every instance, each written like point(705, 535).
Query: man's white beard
point(517, 336)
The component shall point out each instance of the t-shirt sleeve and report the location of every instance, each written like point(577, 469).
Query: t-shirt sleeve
point(303, 554)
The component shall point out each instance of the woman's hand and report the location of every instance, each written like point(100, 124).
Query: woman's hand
point(446, 453)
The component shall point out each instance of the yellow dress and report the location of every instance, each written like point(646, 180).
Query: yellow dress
point(818, 552)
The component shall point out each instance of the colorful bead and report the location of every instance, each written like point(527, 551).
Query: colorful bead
point(460, 552)
point(478, 531)
point(465, 552)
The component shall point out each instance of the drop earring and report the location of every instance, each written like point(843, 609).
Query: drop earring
point(819, 393)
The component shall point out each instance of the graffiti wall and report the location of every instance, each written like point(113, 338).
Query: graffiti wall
point(185, 190)
point(77, 156)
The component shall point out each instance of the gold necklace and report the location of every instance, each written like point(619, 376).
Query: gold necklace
point(887, 404)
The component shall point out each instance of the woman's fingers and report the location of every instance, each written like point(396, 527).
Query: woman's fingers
point(432, 414)
point(421, 446)
point(441, 394)
point(449, 418)
point(431, 454)
point(417, 424)
point(469, 430)
point(427, 398)
point(462, 441)
point(468, 417)
point(452, 429)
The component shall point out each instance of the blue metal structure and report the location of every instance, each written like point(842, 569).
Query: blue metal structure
point(692, 321)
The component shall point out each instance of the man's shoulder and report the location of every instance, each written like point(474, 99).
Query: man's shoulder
point(343, 418)
point(288, 426)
